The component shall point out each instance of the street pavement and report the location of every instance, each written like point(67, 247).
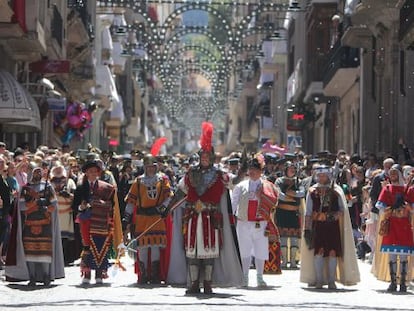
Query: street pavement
point(119, 292)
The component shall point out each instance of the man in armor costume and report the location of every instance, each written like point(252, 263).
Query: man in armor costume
point(35, 252)
point(327, 235)
point(396, 238)
point(289, 213)
point(147, 202)
point(99, 220)
point(209, 246)
point(254, 202)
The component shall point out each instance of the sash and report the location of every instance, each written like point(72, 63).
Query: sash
point(268, 198)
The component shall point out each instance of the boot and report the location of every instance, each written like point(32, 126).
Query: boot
point(393, 270)
point(208, 273)
point(195, 286)
point(318, 262)
point(260, 282)
point(86, 277)
point(155, 272)
point(245, 280)
point(143, 278)
point(98, 276)
point(293, 251)
point(403, 287)
point(332, 273)
point(84, 265)
point(283, 251)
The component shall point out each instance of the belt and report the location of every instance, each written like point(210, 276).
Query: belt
point(288, 207)
point(148, 211)
point(324, 216)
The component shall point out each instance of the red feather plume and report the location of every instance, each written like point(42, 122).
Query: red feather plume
point(156, 146)
point(206, 138)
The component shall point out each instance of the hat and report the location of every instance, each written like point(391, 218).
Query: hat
point(233, 161)
point(257, 162)
point(54, 172)
point(91, 163)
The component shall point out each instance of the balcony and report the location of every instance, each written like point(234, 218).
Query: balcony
point(22, 36)
point(341, 69)
point(357, 37)
point(406, 32)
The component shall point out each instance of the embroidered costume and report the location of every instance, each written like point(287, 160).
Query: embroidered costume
point(147, 203)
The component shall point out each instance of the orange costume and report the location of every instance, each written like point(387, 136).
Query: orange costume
point(146, 198)
point(147, 202)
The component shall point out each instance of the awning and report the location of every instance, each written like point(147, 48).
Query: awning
point(105, 86)
point(118, 110)
point(33, 125)
point(16, 105)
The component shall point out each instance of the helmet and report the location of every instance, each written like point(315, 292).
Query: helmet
point(149, 159)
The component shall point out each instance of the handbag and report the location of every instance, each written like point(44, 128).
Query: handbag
point(384, 227)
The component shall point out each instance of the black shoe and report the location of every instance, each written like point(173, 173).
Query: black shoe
point(392, 287)
point(207, 287)
point(403, 288)
point(194, 289)
point(31, 283)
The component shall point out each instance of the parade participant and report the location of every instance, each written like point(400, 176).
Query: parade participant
point(5, 206)
point(378, 181)
point(247, 202)
point(147, 202)
point(289, 212)
point(35, 252)
point(209, 245)
point(327, 237)
point(395, 231)
point(64, 188)
point(99, 220)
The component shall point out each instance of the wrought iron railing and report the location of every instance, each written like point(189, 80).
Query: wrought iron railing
point(340, 57)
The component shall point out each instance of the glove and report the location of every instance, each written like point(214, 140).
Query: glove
point(307, 234)
point(126, 220)
point(163, 211)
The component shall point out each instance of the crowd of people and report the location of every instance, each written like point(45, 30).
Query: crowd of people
point(205, 219)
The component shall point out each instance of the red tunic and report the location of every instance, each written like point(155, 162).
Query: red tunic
point(399, 239)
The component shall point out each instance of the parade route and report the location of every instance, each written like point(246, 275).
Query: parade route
point(284, 293)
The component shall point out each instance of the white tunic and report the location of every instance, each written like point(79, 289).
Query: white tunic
point(250, 234)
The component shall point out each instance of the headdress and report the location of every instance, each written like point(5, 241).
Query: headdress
point(156, 146)
point(206, 140)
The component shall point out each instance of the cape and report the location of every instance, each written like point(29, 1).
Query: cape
point(16, 268)
point(347, 268)
point(227, 270)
